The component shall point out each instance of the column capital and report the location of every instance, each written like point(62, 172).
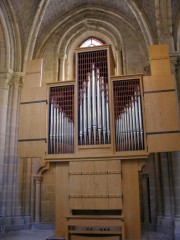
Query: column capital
point(118, 50)
point(174, 57)
point(37, 179)
point(5, 78)
point(17, 79)
point(147, 69)
point(62, 57)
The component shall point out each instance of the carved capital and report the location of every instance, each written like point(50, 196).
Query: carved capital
point(62, 57)
point(37, 179)
point(5, 79)
point(17, 79)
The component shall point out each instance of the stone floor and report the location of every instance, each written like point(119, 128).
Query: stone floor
point(44, 234)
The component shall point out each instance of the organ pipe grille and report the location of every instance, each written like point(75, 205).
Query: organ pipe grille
point(129, 133)
point(61, 120)
point(93, 98)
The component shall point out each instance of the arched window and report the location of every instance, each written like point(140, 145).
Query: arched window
point(91, 42)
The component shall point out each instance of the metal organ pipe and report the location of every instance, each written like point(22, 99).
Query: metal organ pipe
point(103, 109)
point(80, 117)
point(89, 107)
point(140, 119)
point(107, 113)
point(94, 102)
point(99, 106)
point(84, 113)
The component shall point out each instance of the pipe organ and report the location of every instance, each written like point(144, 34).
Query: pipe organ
point(99, 131)
point(91, 120)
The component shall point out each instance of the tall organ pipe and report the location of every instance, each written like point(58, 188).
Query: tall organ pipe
point(94, 102)
point(140, 121)
point(84, 113)
point(107, 113)
point(137, 120)
point(54, 130)
point(103, 109)
point(81, 117)
point(51, 128)
point(99, 106)
point(89, 107)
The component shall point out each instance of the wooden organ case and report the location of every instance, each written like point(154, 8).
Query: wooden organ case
point(98, 135)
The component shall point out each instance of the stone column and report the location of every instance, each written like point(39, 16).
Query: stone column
point(158, 180)
point(167, 221)
point(176, 63)
point(10, 156)
point(176, 186)
point(62, 67)
point(119, 63)
point(4, 95)
point(145, 198)
point(37, 180)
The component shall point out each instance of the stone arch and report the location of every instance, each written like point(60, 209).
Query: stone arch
point(143, 24)
point(6, 41)
point(65, 48)
point(37, 196)
point(106, 24)
point(12, 37)
point(77, 15)
point(32, 37)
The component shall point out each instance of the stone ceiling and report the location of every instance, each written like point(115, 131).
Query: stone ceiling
point(37, 18)
point(56, 10)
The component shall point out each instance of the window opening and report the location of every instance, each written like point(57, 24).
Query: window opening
point(91, 42)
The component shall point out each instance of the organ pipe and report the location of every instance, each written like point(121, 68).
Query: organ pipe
point(107, 113)
point(89, 108)
point(84, 113)
point(103, 109)
point(99, 106)
point(94, 102)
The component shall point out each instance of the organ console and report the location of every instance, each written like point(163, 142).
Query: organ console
point(101, 128)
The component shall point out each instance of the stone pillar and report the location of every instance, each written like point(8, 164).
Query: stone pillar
point(176, 186)
point(145, 199)
point(4, 95)
point(158, 179)
point(167, 220)
point(119, 63)
point(177, 80)
point(62, 67)
point(10, 159)
point(37, 180)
